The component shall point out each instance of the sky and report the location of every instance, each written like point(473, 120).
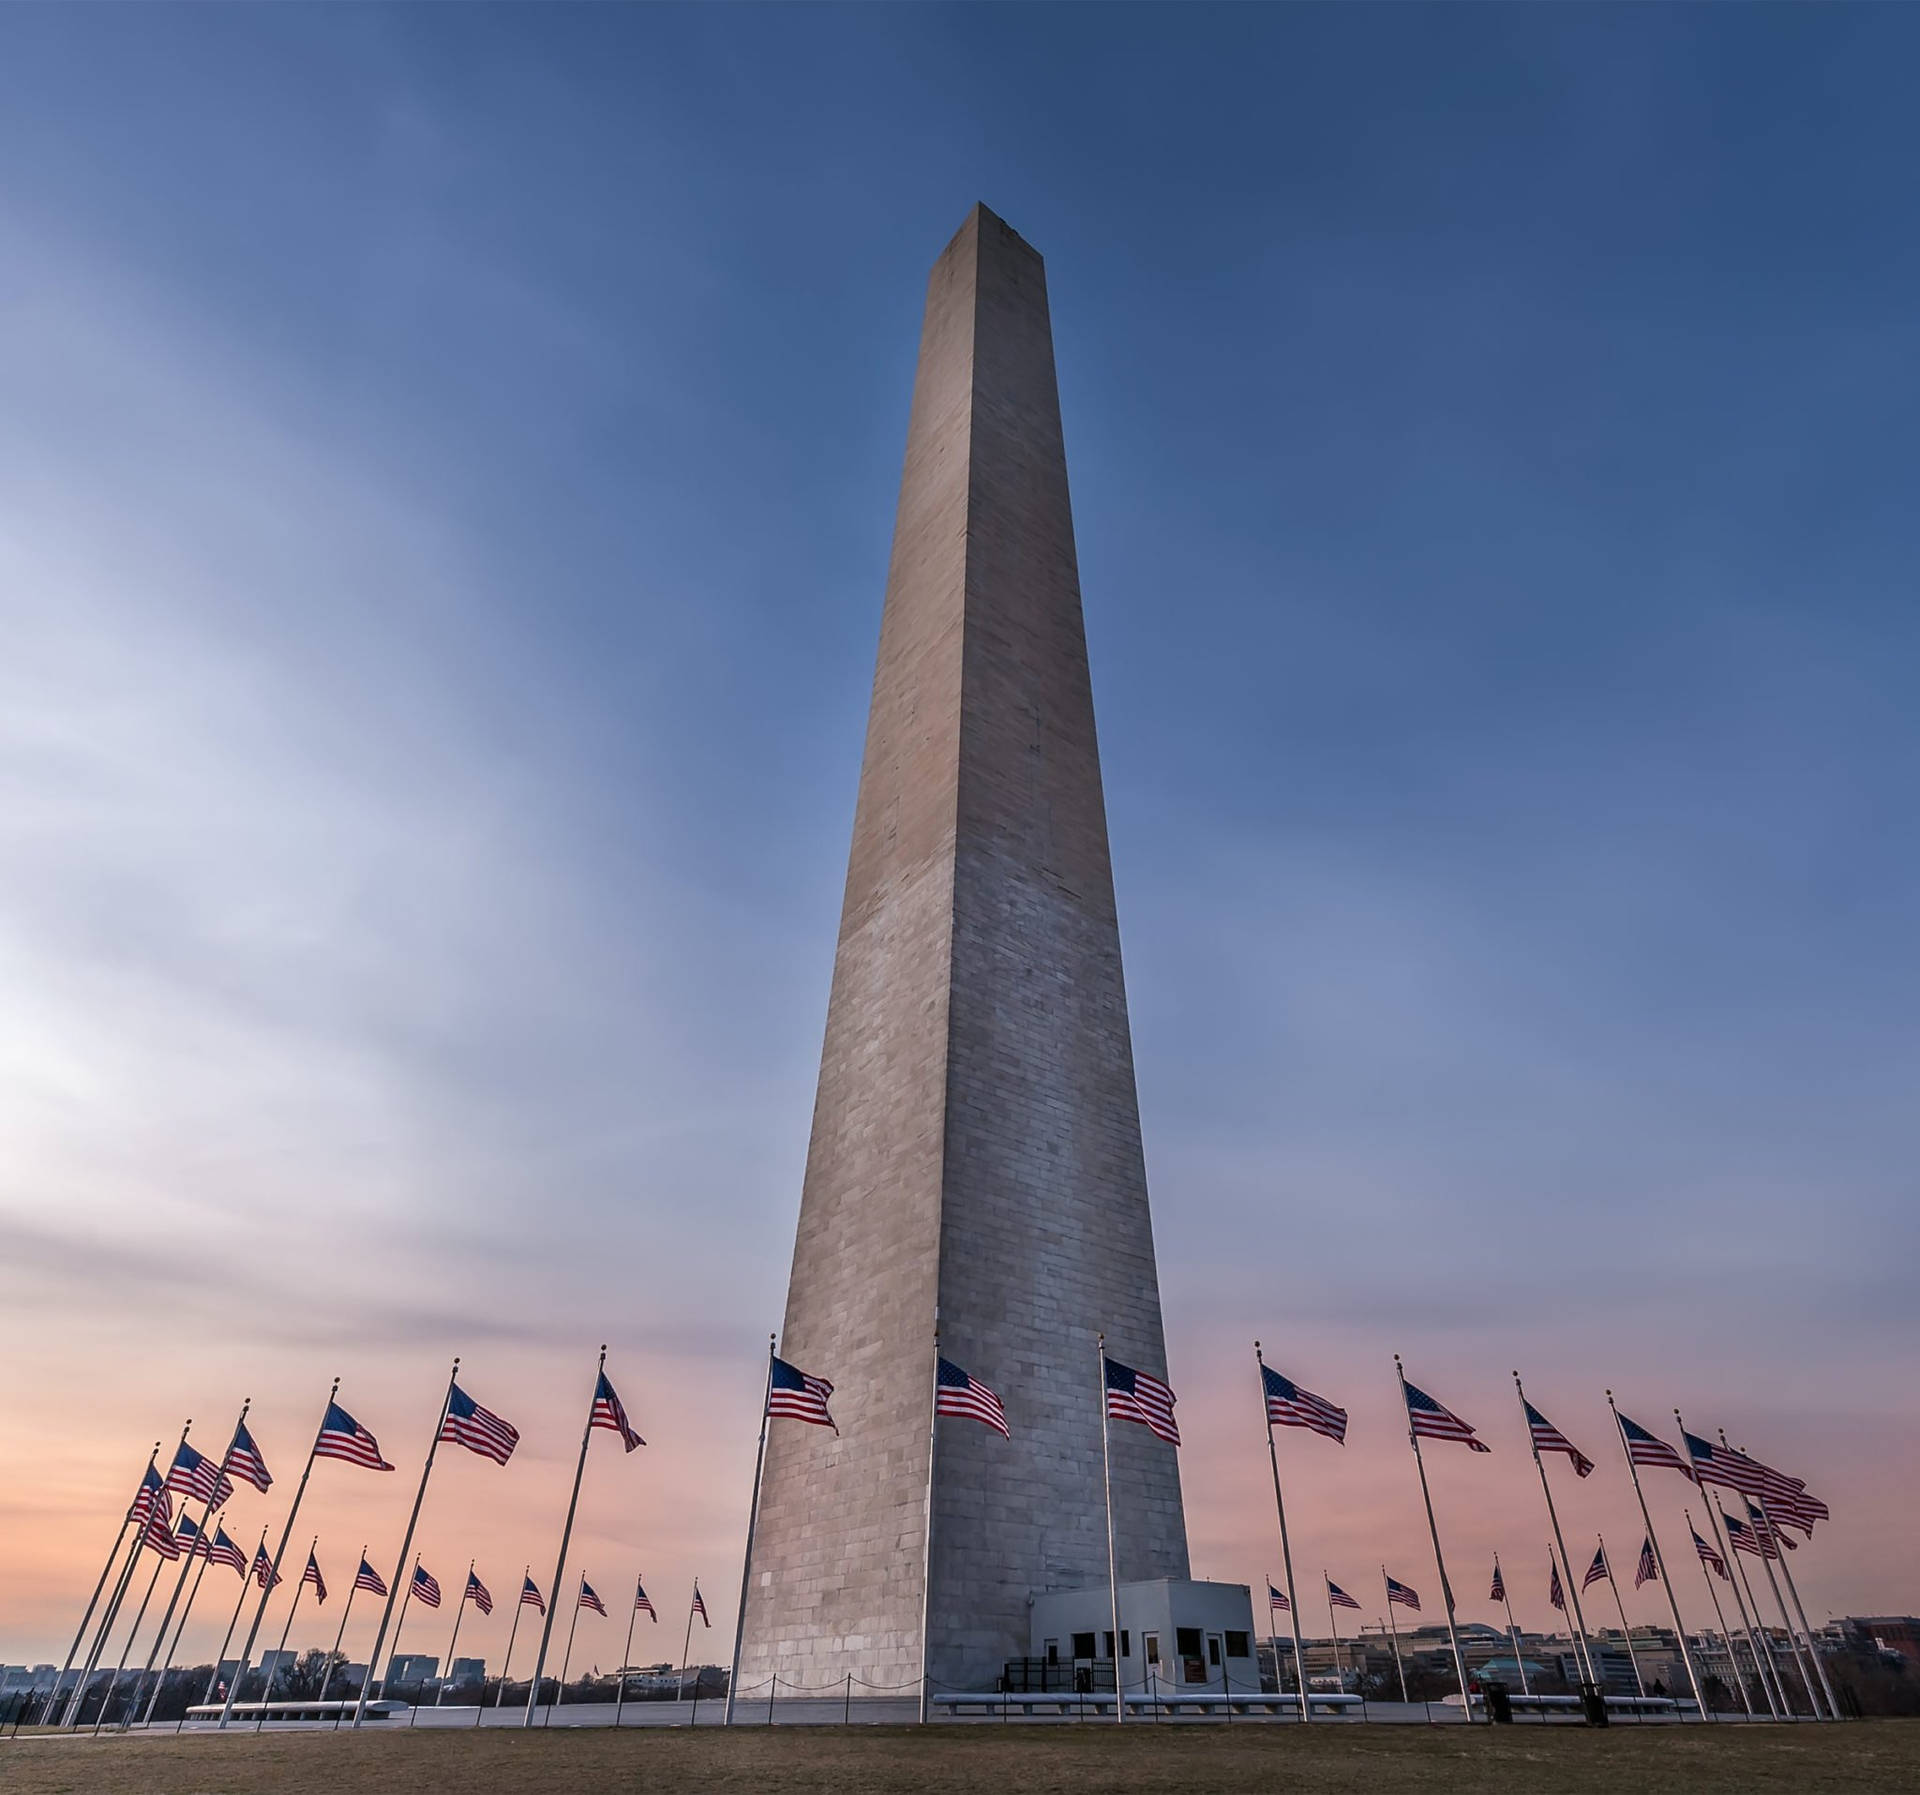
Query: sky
point(447, 463)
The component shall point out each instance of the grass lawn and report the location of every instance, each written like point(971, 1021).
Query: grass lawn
point(1860, 1759)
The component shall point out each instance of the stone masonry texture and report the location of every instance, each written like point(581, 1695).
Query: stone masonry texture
point(976, 1136)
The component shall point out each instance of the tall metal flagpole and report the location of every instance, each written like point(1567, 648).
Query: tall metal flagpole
point(626, 1654)
point(1813, 1651)
point(1713, 1595)
point(1770, 1550)
point(1766, 1644)
point(1546, 1489)
point(406, 1545)
point(1113, 1574)
point(459, 1614)
point(71, 1718)
point(1513, 1632)
point(106, 1570)
point(1774, 1539)
point(1286, 1550)
point(1660, 1563)
point(293, 1608)
point(113, 1688)
point(193, 1595)
point(1626, 1632)
point(1763, 1666)
point(1333, 1623)
point(213, 1682)
point(397, 1625)
point(326, 1675)
point(180, 1583)
point(566, 1534)
point(560, 1694)
point(1393, 1628)
point(280, 1552)
point(686, 1648)
point(926, 1544)
point(1439, 1562)
point(506, 1663)
point(746, 1563)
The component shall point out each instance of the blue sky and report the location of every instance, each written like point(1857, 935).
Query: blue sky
point(447, 458)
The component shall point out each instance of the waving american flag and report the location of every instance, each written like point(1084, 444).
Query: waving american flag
point(955, 1393)
point(1399, 1592)
point(1648, 1569)
point(1137, 1396)
point(1431, 1420)
point(342, 1437)
point(1290, 1406)
point(479, 1430)
point(607, 1412)
point(796, 1396)
point(1548, 1438)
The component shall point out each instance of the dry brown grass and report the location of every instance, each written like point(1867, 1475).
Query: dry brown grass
point(1859, 1759)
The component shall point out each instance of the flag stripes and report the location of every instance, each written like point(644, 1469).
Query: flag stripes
point(1138, 1396)
point(479, 1430)
point(1402, 1594)
point(792, 1394)
point(426, 1588)
point(1290, 1406)
point(1548, 1438)
point(369, 1579)
point(956, 1393)
point(608, 1412)
point(478, 1594)
point(1432, 1420)
point(344, 1438)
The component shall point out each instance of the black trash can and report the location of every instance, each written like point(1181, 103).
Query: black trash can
point(1499, 1703)
point(1593, 1703)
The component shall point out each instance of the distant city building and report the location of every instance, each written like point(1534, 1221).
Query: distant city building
point(407, 1668)
point(467, 1670)
point(273, 1663)
point(1891, 1635)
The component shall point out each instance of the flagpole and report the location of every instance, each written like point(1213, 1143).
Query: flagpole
point(1763, 1665)
point(1713, 1595)
point(926, 1557)
point(406, 1545)
point(70, 1721)
point(1393, 1628)
point(1813, 1651)
point(1573, 1587)
point(1439, 1563)
point(93, 1601)
point(280, 1552)
point(626, 1656)
point(746, 1563)
point(513, 1631)
point(459, 1614)
point(193, 1595)
point(566, 1534)
point(1626, 1632)
point(1773, 1538)
point(1113, 1574)
point(326, 1676)
point(1273, 1645)
point(180, 1583)
point(1286, 1550)
point(1660, 1563)
point(400, 1622)
point(1506, 1601)
point(140, 1614)
point(213, 1682)
point(1333, 1621)
point(686, 1647)
point(560, 1693)
point(293, 1608)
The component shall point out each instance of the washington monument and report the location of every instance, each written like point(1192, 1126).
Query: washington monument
point(976, 1137)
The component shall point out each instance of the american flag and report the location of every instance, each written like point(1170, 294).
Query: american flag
point(607, 1412)
point(1787, 1498)
point(1555, 1594)
point(1433, 1421)
point(1644, 1448)
point(312, 1575)
point(426, 1590)
point(642, 1603)
point(478, 1594)
point(700, 1604)
point(1746, 1539)
point(530, 1596)
point(1399, 1592)
point(479, 1430)
point(1648, 1569)
point(343, 1437)
point(1597, 1572)
point(244, 1460)
point(223, 1551)
point(1548, 1438)
point(1290, 1406)
point(143, 1498)
point(1498, 1593)
point(1276, 1602)
point(195, 1477)
point(370, 1580)
point(1136, 1396)
point(955, 1393)
point(263, 1572)
point(1708, 1555)
point(158, 1532)
point(1715, 1464)
point(189, 1536)
point(1338, 1597)
point(798, 1397)
point(1758, 1522)
point(587, 1598)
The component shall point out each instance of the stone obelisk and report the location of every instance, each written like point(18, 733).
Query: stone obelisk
point(976, 1137)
